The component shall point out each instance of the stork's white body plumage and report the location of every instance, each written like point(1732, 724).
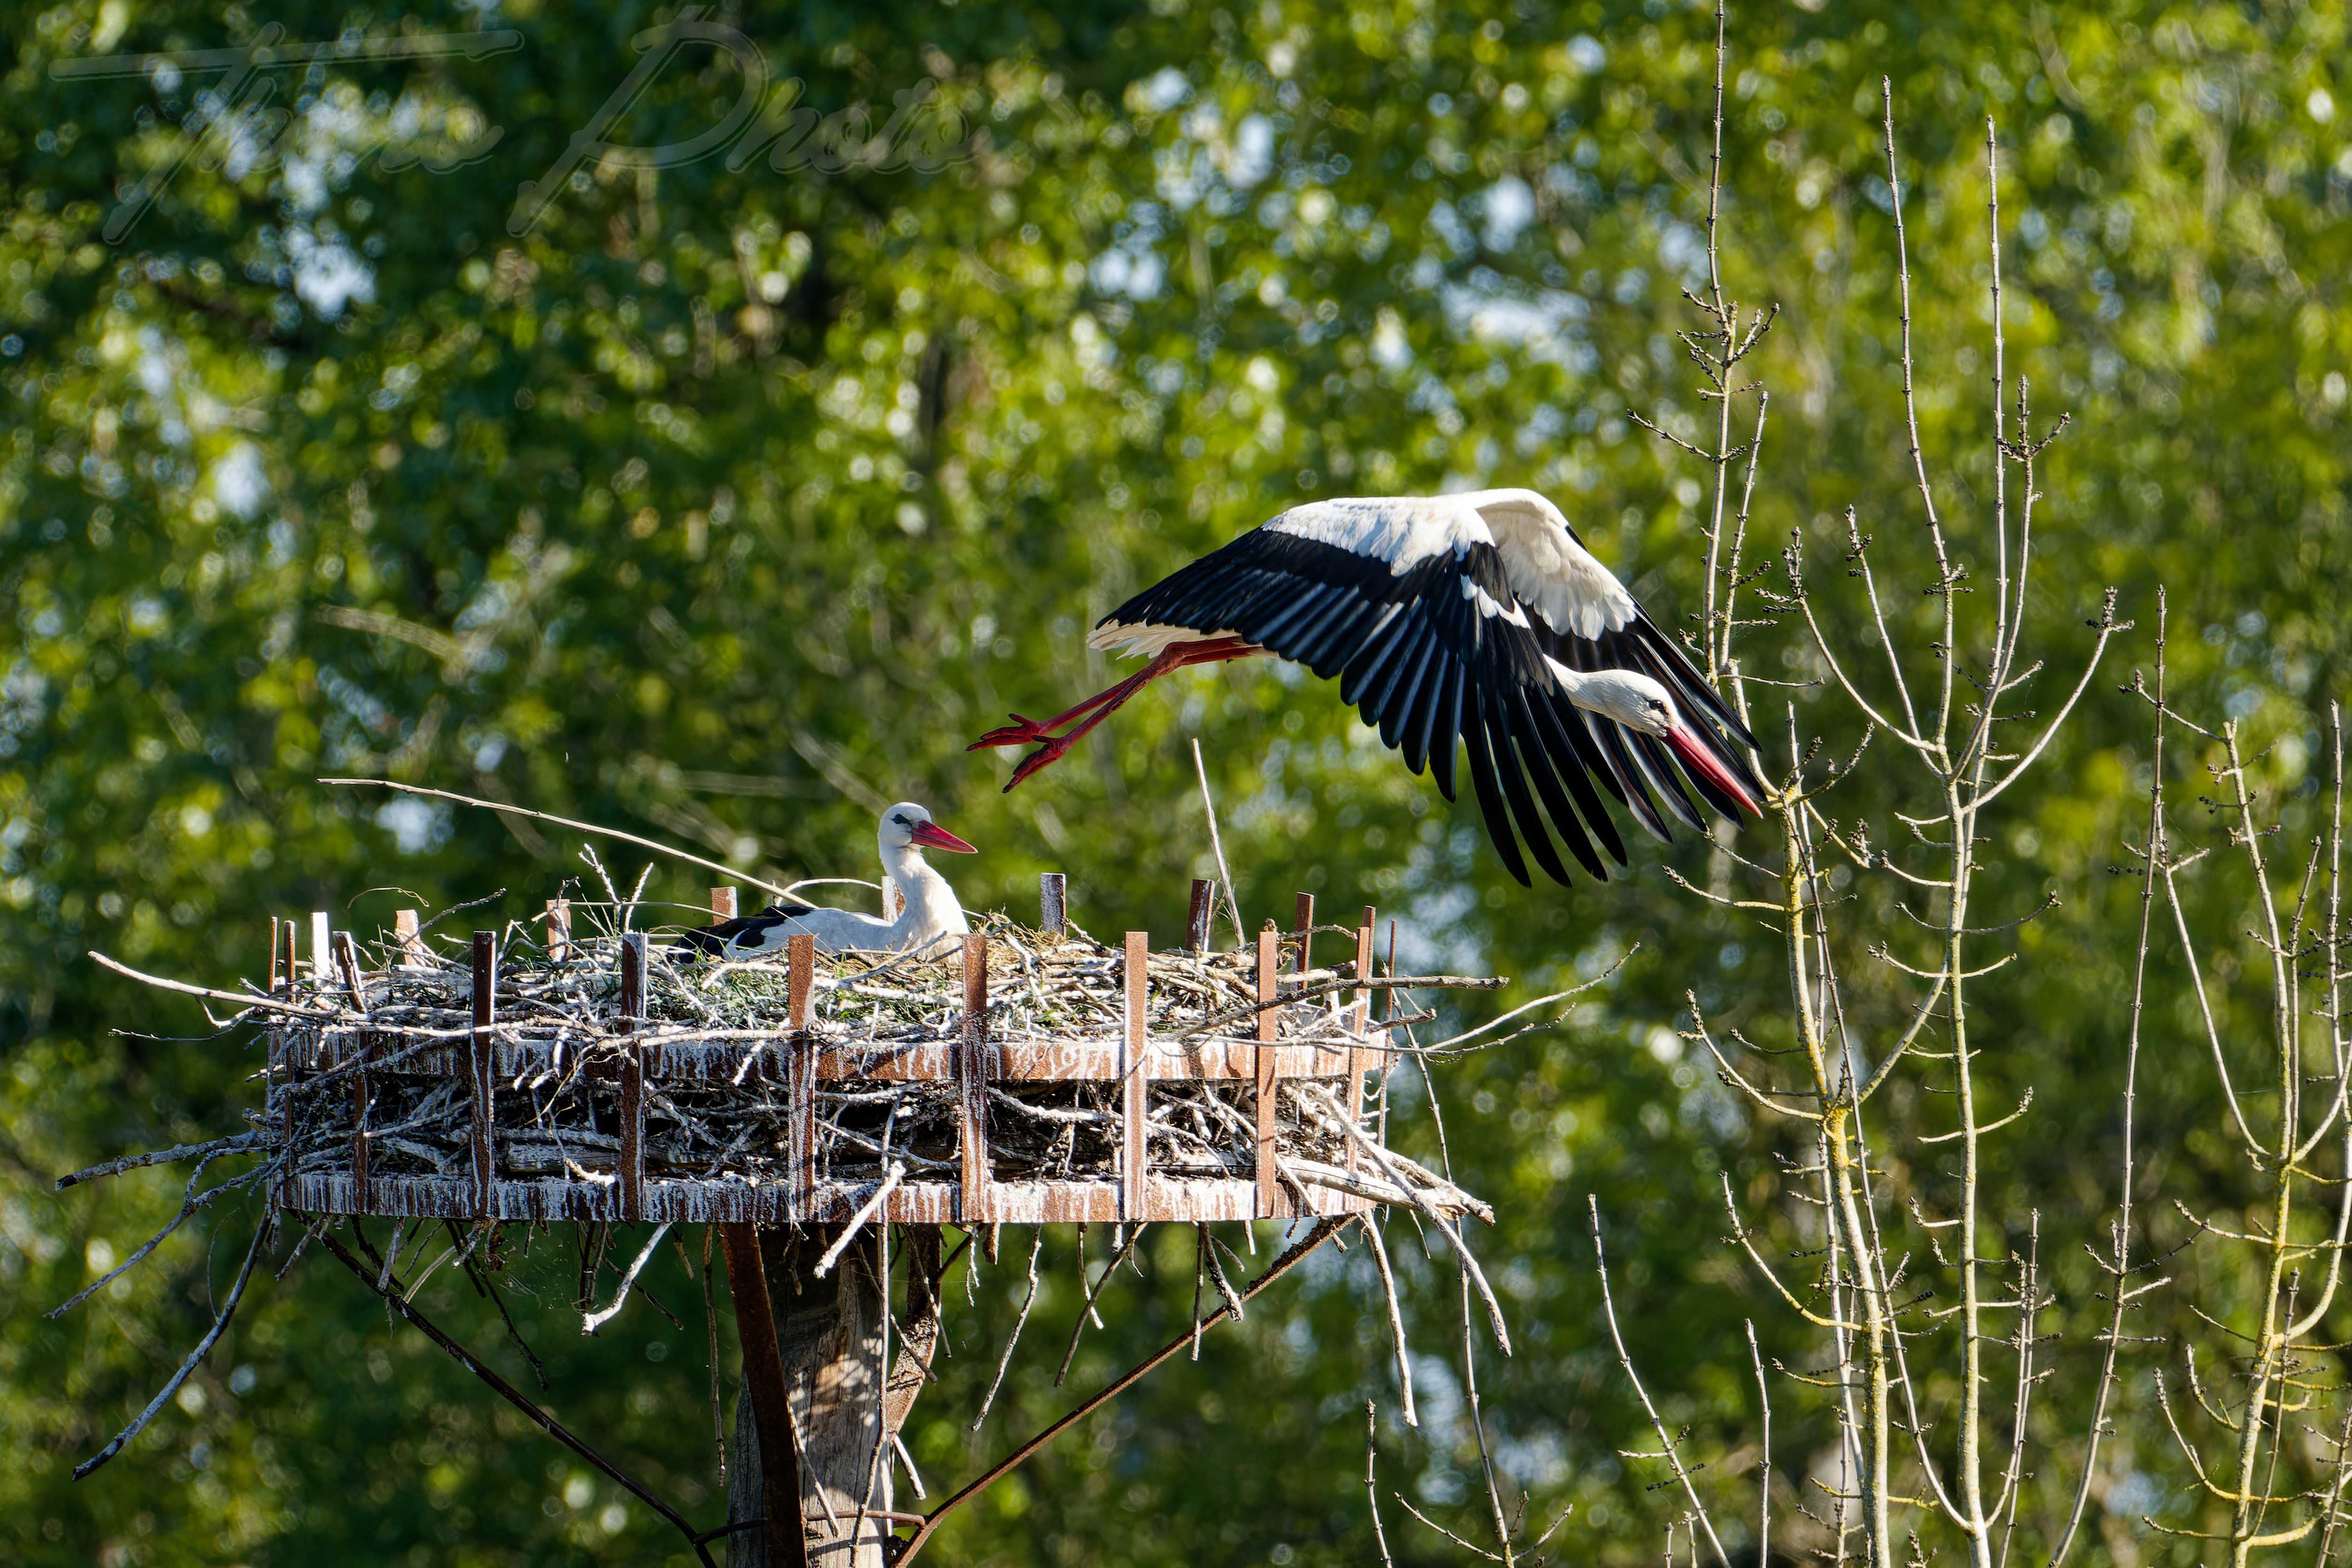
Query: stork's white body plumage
point(1477, 618)
point(930, 915)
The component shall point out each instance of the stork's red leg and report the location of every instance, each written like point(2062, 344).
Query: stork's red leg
point(1029, 731)
point(1051, 748)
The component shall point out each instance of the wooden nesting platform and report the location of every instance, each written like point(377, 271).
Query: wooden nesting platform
point(331, 1073)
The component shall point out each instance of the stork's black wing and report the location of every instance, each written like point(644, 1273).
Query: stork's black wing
point(715, 940)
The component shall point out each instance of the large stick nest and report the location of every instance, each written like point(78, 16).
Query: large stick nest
point(722, 1110)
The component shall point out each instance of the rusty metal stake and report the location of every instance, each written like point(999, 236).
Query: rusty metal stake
point(1196, 918)
point(1135, 1080)
point(800, 968)
point(479, 1071)
point(1271, 1201)
point(973, 1070)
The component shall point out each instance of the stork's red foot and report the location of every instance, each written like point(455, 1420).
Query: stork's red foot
point(1020, 732)
point(1054, 748)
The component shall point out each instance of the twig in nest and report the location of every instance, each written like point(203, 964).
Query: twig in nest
point(1079, 1328)
point(890, 1180)
point(1371, 1481)
point(265, 1004)
point(1396, 1332)
point(483, 1283)
point(1200, 1272)
point(228, 1145)
point(595, 1321)
point(1019, 1323)
point(1217, 847)
point(1331, 988)
point(737, 873)
point(192, 1202)
point(1234, 1298)
point(1452, 1231)
point(194, 1359)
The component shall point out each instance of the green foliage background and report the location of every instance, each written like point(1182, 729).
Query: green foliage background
point(722, 503)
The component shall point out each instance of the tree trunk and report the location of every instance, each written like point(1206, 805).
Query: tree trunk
point(829, 1333)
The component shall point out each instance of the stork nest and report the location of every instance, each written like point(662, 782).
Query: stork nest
point(720, 1108)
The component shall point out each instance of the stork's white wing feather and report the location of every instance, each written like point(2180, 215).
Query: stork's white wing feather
point(1403, 531)
point(835, 930)
point(1548, 568)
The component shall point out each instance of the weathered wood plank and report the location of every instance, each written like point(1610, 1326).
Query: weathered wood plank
point(1303, 925)
point(555, 1198)
point(830, 1332)
point(690, 1059)
point(404, 933)
point(1053, 903)
point(785, 1545)
point(558, 930)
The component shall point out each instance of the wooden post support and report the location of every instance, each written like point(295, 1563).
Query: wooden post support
point(1361, 1057)
point(558, 930)
point(322, 964)
point(347, 966)
point(1135, 1078)
point(347, 960)
point(405, 932)
point(722, 903)
point(479, 1068)
point(1196, 918)
point(799, 971)
point(277, 977)
point(973, 1070)
point(631, 1161)
point(772, 1416)
point(1053, 903)
point(1304, 925)
point(1271, 1202)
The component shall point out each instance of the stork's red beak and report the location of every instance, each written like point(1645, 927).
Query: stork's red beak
point(1704, 764)
point(931, 836)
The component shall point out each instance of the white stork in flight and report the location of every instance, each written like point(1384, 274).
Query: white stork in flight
point(1480, 616)
point(930, 913)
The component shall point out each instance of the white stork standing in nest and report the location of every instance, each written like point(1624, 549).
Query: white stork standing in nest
point(931, 911)
point(1478, 616)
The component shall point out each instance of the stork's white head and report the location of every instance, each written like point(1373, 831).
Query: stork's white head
point(1637, 702)
point(907, 825)
point(1644, 707)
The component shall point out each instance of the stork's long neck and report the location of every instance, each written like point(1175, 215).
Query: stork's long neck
point(1574, 685)
point(932, 908)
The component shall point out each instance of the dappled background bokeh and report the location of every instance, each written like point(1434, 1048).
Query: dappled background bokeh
point(723, 503)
